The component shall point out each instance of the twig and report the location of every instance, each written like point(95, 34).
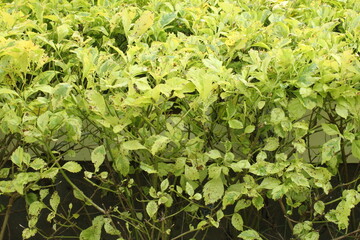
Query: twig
point(284, 212)
point(347, 235)
point(7, 214)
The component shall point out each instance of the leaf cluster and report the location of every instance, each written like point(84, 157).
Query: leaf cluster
point(193, 115)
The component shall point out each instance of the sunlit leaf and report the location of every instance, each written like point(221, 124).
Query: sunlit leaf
point(355, 148)
point(319, 207)
point(19, 156)
point(141, 25)
point(236, 124)
point(98, 157)
point(54, 201)
point(151, 209)
point(330, 129)
point(213, 190)
point(249, 235)
point(237, 221)
point(94, 231)
point(72, 166)
point(133, 145)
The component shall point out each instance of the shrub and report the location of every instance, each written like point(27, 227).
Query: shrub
point(168, 120)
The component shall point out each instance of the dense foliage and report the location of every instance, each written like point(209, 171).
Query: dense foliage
point(171, 119)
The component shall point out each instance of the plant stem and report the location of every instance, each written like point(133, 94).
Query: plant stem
point(185, 233)
point(7, 214)
point(347, 235)
point(284, 212)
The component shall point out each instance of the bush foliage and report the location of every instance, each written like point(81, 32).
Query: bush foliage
point(191, 116)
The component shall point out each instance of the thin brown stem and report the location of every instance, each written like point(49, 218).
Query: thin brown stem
point(347, 235)
point(7, 214)
point(285, 215)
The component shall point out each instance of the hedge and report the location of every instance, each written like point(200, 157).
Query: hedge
point(180, 119)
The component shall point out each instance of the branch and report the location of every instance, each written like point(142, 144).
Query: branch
point(347, 235)
point(7, 214)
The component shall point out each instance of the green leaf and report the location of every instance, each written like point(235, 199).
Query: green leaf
point(299, 179)
point(189, 189)
point(109, 229)
point(54, 201)
point(230, 198)
point(249, 235)
point(166, 19)
point(305, 92)
point(312, 236)
point(249, 129)
point(72, 166)
point(50, 173)
point(29, 232)
point(61, 91)
point(4, 172)
point(237, 221)
point(319, 207)
point(330, 129)
point(214, 171)
point(213, 64)
point(277, 115)
point(73, 127)
point(35, 208)
point(261, 104)
point(296, 109)
point(270, 183)
point(355, 148)
point(45, 78)
point(213, 222)
point(303, 228)
point(242, 204)
point(19, 156)
point(261, 156)
point(219, 215)
point(94, 231)
point(203, 82)
point(214, 154)
point(147, 168)
point(342, 111)
point(240, 165)
point(201, 224)
point(164, 185)
point(197, 196)
point(133, 145)
point(230, 109)
point(98, 156)
point(235, 124)
point(329, 149)
point(151, 209)
point(141, 25)
point(43, 193)
point(62, 31)
point(213, 190)
point(272, 143)
point(96, 101)
point(258, 202)
point(279, 191)
point(43, 121)
point(30, 198)
point(191, 173)
point(159, 144)
point(300, 145)
point(229, 158)
point(8, 91)
point(262, 45)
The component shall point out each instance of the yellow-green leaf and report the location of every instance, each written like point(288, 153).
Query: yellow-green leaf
point(145, 21)
point(72, 166)
point(213, 190)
